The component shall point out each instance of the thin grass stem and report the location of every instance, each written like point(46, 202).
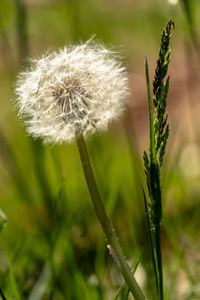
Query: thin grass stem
point(188, 10)
point(151, 241)
point(159, 259)
point(177, 247)
point(21, 25)
point(104, 220)
point(124, 291)
point(2, 294)
point(11, 269)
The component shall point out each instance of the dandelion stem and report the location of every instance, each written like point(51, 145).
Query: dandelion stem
point(104, 220)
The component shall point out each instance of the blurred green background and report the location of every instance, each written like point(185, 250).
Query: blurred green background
point(55, 244)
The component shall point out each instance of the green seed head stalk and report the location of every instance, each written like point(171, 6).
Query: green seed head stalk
point(159, 132)
point(160, 126)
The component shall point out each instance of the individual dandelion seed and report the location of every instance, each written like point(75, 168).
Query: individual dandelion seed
point(72, 91)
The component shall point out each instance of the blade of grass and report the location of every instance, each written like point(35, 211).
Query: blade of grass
point(172, 235)
point(11, 269)
point(41, 285)
point(188, 10)
point(2, 294)
point(43, 183)
point(125, 290)
point(73, 7)
point(159, 259)
point(21, 25)
point(151, 241)
point(9, 158)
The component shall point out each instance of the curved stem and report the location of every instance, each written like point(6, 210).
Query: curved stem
point(104, 220)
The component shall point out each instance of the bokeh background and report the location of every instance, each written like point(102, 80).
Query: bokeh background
point(52, 244)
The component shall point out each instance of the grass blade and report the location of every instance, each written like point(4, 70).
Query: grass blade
point(151, 240)
point(42, 284)
point(11, 269)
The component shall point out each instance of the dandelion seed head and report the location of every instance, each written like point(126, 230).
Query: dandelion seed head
point(76, 90)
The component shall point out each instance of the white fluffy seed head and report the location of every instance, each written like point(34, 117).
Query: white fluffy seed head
point(76, 90)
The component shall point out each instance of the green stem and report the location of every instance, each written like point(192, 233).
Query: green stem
point(74, 17)
point(21, 24)
point(151, 241)
point(157, 200)
point(2, 294)
point(189, 9)
point(11, 269)
point(177, 248)
point(104, 220)
point(159, 259)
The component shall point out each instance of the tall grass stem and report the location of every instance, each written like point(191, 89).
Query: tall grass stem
point(21, 25)
point(159, 259)
point(2, 294)
point(151, 241)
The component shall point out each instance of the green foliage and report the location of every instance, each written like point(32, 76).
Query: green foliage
point(158, 133)
point(56, 246)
